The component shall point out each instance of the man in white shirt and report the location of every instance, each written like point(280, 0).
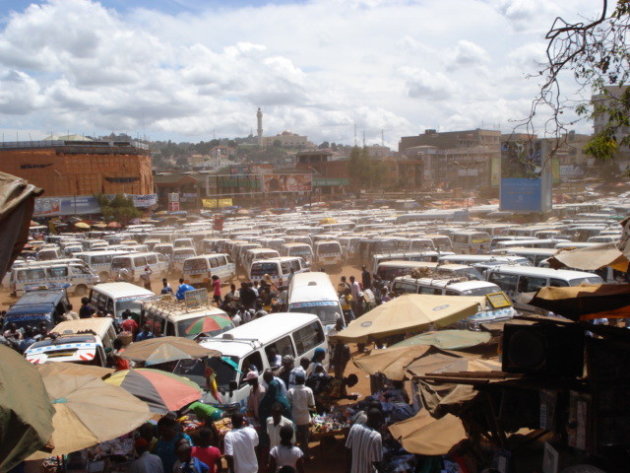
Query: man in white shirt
point(146, 462)
point(365, 443)
point(274, 423)
point(240, 447)
point(302, 401)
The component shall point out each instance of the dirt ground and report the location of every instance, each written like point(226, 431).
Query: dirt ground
point(329, 457)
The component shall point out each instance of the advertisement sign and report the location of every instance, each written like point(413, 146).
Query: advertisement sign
point(287, 183)
point(173, 206)
point(216, 203)
point(526, 177)
point(143, 201)
point(82, 204)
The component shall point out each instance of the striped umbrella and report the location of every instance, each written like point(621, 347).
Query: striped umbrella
point(162, 391)
point(210, 324)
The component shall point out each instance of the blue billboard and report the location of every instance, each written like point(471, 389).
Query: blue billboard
point(519, 194)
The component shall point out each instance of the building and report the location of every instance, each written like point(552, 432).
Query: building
point(287, 139)
point(468, 159)
point(71, 169)
point(329, 177)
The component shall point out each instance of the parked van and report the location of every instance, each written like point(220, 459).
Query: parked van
point(498, 307)
point(278, 269)
point(474, 260)
point(100, 261)
point(129, 267)
point(314, 293)
point(328, 253)
point(116, 297)
point(47, 254)
point(431, 256)
point(183, 243)
point(165, 249)
point(390, 270)
point(180, 255)
point(303, 250)
point(37, 307)
point(168, 317)
point(471, 241)
point(250, 347)
point(75, 277)
point(522, 282)
point(198, 271)
point(255, 254)
point(536, 256)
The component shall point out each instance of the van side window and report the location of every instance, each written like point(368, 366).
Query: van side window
point(295, 265)
point(152, 259)
point(229, 259)
point(506, 282)
point(560, 282)
point(222, 260)
point(252, 362)
point(427, 290)
point(450, 292)
point(214, 262)
point(58, 272)
point(140, 261)
point(531, 284)
point(308, 338)
point(285, 267)
point(284, 346)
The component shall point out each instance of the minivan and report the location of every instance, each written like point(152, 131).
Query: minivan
point(179, 256)
point(116, 297)
point(255, 254)
point(198, 271)
point(249, 347)
point(33, 308)
point(130, 267)
point(471, 241)
point(75, 277)
point(328, 253)
point(314, 293)
point(522, 282)
point(279, 269)
point(100, 261)
point(298, 249)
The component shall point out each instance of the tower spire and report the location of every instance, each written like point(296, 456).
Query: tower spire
point(259, 117)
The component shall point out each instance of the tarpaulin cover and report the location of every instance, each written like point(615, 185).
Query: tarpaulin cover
point(17, 198)
point(577, 301)
point(425, 435)
point(25, 410)
point(591, 258)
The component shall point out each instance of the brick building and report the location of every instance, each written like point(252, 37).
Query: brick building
point(81, 168)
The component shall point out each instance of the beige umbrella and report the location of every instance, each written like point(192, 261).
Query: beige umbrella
point(73, 369)
point(425, 435)
point(392, 361)
point(165, 349)
point(88, 412)
point(410, 313)
point(25, 411)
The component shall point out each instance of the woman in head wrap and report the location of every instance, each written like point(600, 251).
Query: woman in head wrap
point(274, 394)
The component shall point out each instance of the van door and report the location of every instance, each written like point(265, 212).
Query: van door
point(307, 339)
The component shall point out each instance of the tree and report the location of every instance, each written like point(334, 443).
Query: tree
point(597, 55)
point(277, 144)
point(324, 145)
point(118, 208)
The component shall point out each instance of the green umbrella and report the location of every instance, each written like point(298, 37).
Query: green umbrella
point(447, 339)
point(25, 409)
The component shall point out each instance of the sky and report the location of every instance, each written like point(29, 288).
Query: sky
point(191, 70)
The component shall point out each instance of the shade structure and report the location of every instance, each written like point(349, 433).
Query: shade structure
point(447, 339)
point(73, 369)
point(164, 349)
point(25, 410)
point(114, 225)
point(591, 258)
point(425, 435)
point(408, 314)
point(579, 301)
point(99, 225)
point(208, 324)
point(88, 412)
point(392, 361)
point(161, 390)
point(82, 225)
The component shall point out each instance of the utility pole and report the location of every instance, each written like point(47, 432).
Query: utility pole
point(355, 133)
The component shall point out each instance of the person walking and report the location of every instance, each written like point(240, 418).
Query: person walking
point(366, 278)
point(216, 290)
point(285, 453)
point(146, 462)
point(166, 288)
point(146, 277)
point(365, 444)
point(240, 447)
point(302, 403)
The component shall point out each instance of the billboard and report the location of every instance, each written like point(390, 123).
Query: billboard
point(287, 182)
point(526, 177)
point(82, 204)
point(216, 203)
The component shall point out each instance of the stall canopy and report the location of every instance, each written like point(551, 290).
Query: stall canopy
point(25, 410)
point(425, 435)
point(165, 349)
point(586, 302)
point(408, 314)
point(591, 258)
point(447, 339)
point(17, 199)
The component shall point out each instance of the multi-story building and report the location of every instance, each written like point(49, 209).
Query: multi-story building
point(75, 171)
point(468, 159)
point(286, 139)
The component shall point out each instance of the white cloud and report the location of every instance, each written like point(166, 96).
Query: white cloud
point(316, 68)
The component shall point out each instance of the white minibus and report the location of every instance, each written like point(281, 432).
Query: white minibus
point(198, 271)
point(313, 292)
point(278, 269)
point(116, 297)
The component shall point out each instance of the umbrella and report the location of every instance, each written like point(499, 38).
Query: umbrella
point(25, 410)
point(162, 391)
point(73, 369)
point(88, 412)
point(82, 225)
point(99, 225)
point(114, 225)
point(447, 339)
point(164, 349)
point(409, 313)
point(425, 435)
point(208, 324)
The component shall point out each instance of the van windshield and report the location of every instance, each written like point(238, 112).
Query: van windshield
point(198, 264)
point(329, 248)
point(260, 269)
point(134, 304)
point(326, 311)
